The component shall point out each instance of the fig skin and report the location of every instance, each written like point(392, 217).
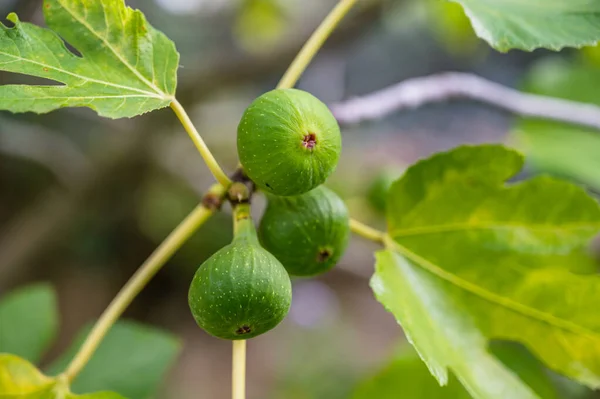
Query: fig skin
point(242, 290)
point(378, 190)
point(308, 233)
point(288, 142)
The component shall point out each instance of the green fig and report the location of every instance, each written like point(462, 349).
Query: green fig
point(378, 190)
point(288, 142)
point(308, 233)
point(242, 290)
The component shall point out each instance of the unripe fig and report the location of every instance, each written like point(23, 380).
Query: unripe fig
point(288, 142)
point(378, 190)
point(242, 290)
point(308, 233)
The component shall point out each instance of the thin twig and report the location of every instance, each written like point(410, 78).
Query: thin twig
point(415, 92)
point(314, 43)
point(137, 282)
point(198, 141)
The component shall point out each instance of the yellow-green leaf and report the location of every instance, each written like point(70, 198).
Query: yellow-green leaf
point(19, 379)
point(126, 66)
point(471, 259)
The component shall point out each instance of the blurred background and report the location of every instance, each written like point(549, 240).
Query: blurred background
point(84, 200)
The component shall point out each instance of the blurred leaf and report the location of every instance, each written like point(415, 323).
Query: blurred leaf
point(127, 67)
point(28, 321)
point(131, 360)
point(378, 190)
point(260, 24)
point(409, 375)
point(452, 27)
point(563, 149)
point(19, 379)
point(531, 24)
point(529, 369)
point(473, 260)
point(592, 55)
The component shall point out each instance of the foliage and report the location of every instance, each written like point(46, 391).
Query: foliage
point(543, 141)
point(122, 363)
point(139, 370)
point(473, 259)
point(468, 258)
point(16, 316)
point(126, 66)
point(406, 373)
point(527, 25)
point(20, 379)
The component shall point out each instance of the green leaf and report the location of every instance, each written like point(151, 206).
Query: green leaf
point(563, 149)
point(127, 67)
point(526, 366)
point(131, 360)
point(407, 377)
point(531, 24)
point(472, 259)
point(19, 379)
point(28, 321)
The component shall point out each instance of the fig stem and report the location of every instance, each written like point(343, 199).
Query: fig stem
point(208, 157)
point(243, 226)
point(238, 370)
point(314, 43)
point(137, 282)
point(367, 232)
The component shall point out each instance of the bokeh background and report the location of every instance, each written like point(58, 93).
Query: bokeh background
point(84, 200)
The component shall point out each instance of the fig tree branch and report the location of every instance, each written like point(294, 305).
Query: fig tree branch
point(413, 93)
point(140, 279)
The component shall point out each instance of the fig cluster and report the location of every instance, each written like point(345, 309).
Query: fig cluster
point(288, 145)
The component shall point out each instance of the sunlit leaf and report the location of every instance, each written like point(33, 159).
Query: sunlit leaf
point(472, 259)
point(19, 379)
point(452, 27)
point(531, 24)
point(126, 66)
point(131, 360)
point(28, 321)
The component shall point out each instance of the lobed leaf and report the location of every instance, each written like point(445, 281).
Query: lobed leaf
point(471, 259)
point(28, 321)
point(126, 66)
point(531, 24)
point(19, 379)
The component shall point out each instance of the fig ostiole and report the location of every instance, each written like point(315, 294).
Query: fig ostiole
point(242, 290)
point(308, 233)
point(288, 142)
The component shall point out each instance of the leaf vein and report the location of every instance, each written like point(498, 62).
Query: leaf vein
point(492, 297)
